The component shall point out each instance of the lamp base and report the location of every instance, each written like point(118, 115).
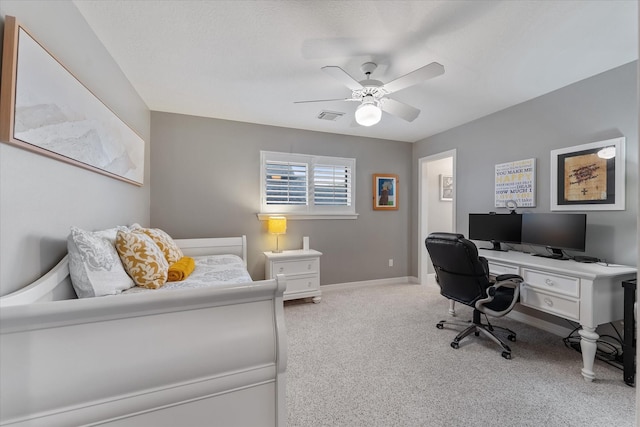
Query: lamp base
point(278, 250)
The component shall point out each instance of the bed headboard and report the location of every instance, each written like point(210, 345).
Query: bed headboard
point(56, 284)
point(215, 246)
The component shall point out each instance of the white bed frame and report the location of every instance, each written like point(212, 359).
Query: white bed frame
point(195, 357)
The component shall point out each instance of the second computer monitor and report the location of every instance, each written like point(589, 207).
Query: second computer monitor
point(495, 228)
point(556, 231)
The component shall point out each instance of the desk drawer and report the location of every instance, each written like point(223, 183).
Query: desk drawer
point(553, 283)
point(568, 308)
point(302, 283)
point(497, 269)
point(295, 267)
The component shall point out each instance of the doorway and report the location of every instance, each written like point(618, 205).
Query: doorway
point(436, 204)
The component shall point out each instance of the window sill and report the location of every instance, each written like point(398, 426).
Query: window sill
point(300, 216)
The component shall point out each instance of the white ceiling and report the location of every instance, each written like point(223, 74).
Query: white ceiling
point(250, 60)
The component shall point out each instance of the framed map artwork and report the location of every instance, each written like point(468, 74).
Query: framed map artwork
point(589, 176)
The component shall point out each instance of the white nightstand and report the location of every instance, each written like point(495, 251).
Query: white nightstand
point(302, 270)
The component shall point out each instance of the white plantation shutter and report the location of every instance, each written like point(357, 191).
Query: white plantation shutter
point(331, 185)
point(286, 183)
point(307, 185)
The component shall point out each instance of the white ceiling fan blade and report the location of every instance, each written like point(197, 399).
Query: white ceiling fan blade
point(326, 100)
point(417, 76)
point(400, 109)
point(341, 75)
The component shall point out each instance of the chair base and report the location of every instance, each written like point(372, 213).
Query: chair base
point(477, 327)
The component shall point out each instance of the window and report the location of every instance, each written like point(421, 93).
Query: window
point(307, 186)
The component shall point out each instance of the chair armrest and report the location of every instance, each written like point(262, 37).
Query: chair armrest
point(502, 281)
point(503, 277)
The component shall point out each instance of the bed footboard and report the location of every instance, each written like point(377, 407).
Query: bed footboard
point(214, 356)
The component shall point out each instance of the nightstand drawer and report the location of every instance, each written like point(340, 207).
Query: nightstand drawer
point(302, 283)
point(566, 307)
point(299, 266)
point(552, 282)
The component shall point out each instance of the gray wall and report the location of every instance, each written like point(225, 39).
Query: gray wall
point(40, 198)
point(206, 177)
point(595, 109)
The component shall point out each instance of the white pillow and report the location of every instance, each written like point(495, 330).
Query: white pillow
point(94, 264)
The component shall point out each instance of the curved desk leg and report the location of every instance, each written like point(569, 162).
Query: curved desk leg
point(452, 308)
point(588, 346)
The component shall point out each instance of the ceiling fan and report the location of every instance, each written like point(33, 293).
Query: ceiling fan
point(372, 94)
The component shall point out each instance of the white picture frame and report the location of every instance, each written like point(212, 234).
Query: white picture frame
point(446, 188)
point(515, 182)
point(589, 177)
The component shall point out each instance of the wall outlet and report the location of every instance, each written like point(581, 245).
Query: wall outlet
point(390, 262)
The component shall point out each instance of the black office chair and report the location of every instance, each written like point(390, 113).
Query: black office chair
point(464, 277)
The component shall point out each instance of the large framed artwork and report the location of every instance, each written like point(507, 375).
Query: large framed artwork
point(589, 176)
point(385, 192)
point(45, 109)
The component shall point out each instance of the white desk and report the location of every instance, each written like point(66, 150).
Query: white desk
point(590, 294)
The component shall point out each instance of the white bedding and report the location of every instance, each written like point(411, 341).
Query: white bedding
point(210, 270)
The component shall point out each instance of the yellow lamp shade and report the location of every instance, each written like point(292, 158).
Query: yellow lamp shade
point(277, 225)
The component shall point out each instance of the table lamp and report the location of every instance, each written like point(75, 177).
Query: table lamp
point(277, 225)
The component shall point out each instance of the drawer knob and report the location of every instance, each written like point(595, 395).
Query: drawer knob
point(549, 282)
point(281, 269)
point(308, 266)
point(548, 302)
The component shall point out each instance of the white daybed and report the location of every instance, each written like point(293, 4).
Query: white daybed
point(198, 357)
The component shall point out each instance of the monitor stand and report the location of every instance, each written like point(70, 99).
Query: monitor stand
point(555, 254)
point(496, 247)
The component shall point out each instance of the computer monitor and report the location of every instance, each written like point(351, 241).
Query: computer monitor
point(556, 231)
point(495, 228)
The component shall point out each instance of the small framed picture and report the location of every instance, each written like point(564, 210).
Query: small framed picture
point(385, 192)
point(446, 187)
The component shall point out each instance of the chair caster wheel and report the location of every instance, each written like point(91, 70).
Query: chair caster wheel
point(476, 334)
point(440, 326)
point(511, 338)
point(506, 355)
point(455, 345)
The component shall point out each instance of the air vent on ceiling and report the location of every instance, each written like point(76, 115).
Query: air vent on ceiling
point(330, 115)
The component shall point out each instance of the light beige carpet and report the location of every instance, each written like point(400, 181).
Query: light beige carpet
point(372, 356)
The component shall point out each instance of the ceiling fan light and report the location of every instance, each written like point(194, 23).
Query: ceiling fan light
point(368, 114)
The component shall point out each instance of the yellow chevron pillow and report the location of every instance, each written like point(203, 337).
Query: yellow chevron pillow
point(170, 249)
point(142, 259)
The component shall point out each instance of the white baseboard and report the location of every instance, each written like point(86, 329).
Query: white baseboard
point(375, 282)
